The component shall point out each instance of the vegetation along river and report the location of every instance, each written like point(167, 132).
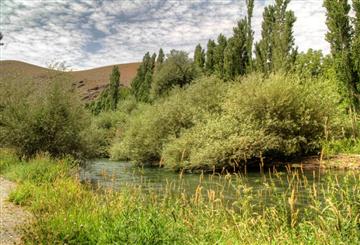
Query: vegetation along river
point(115, 175)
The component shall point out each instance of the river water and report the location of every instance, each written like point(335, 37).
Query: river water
point(104, 173)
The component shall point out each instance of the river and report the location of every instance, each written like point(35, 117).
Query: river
point(104, 173)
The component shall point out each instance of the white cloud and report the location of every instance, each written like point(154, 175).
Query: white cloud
point(93, 33)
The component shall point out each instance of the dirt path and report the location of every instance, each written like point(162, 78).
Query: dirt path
point(11, 216)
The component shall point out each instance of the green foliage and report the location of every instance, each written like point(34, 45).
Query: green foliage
point(343, 146)
point(275, 51)
point(177, 70)
point(219, 55)
point(344, 44)
point(110, 96)
point(273, 118)
point(238, 51)
point(46, 118)
point(109, 123)
point(209, 124)
point(161, 57)
point(66, 211)
point(141, 84)
point(199, 57)
point(151, 126)
point(210, 57)
point(309, 64)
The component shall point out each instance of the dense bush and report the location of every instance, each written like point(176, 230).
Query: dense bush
point(151, 126)
point(107, 123)
point(212, 123)
point(277, 117)
point(47, 118)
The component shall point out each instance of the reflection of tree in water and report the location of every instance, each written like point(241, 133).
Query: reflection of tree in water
point(1, 37)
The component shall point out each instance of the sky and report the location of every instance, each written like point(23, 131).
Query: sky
point(91, 33)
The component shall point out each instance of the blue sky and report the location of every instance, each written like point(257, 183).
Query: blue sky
point(92, 33)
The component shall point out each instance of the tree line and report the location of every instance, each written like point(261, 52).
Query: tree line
point(238, 55)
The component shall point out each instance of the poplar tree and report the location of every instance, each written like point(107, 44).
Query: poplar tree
point(210, 59)
point(199, 57)
point(114, 87)
point(141, 84)
point(276, 49)
point(356, 40)
point(343, 41)
point(161, 56)
point(238, 52)
point(263, 49)
point(219, 55)
point(250, 34)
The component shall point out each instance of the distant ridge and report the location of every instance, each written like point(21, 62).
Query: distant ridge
point(88, 82)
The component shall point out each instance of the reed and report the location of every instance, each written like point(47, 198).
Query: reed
point(324, 211)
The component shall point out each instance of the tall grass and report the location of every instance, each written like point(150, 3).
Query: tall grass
point(69, 212)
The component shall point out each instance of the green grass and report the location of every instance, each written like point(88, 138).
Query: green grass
point(67, 212)
point(344, 146)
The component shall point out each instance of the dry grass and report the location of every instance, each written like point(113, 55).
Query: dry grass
point(88, 82)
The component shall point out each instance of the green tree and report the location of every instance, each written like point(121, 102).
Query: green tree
point(275, 51)
point(177, 70)
point(114, 88)
point(161, 56)
point(46, 117)
point(210, 59)
point(310, 64)
point(219, 55)
point(199, 57)
point(343, 39)
point(263, 49)
point(238, 52)
point(250, 34)
point(141, 84)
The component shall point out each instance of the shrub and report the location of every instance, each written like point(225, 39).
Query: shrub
point(151, 126)
point(47, 118)
point(278, 117)
point(106, 124)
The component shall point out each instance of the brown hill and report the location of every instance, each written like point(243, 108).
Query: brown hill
point(88, 82)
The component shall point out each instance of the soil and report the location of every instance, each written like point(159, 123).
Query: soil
point(12, 217)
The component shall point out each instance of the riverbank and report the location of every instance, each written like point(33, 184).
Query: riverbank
point(349, 162)
point(12, 217)
point(69, 212)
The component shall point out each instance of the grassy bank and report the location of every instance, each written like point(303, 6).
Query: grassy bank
point(69, 212)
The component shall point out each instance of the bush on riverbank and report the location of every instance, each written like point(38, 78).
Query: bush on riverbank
point(217, 124)
point(47, 117)
point(67, 212)
point(151, 126)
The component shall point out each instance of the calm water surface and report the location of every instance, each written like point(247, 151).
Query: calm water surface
point(115, 174)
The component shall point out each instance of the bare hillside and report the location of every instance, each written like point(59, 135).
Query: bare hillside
point(88, 82)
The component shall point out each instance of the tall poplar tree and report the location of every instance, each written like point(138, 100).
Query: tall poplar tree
point(344, 42)
point(238, 52)
point(210, 59)
point(276, 49)
point(141, 84)
point(114, 87)
point(199, 57)
point(219, 55)
point(161, 56)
